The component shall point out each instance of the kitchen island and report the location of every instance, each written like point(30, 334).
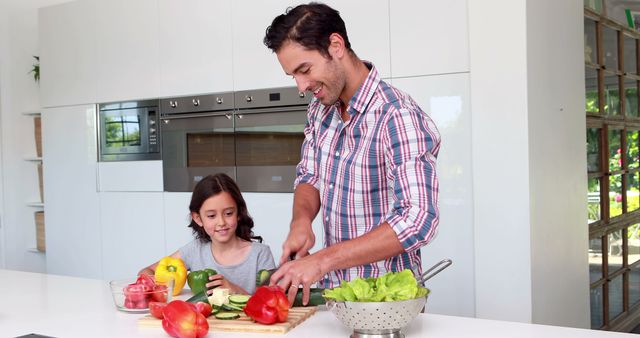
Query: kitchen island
point(60, 306)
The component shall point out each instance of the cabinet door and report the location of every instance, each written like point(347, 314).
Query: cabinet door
point(73, 234)
point(446, 99)
point(367, 23)
point(254, 65)
point(429, 37)
point(67, 54)
point(195, 47)
point(126, 64)
point(132, 232)
point(177, 219)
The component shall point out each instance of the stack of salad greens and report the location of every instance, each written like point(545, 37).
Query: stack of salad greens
point(392, 286)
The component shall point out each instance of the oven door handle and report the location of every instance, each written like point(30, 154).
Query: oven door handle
point(228, 115)
point(271, 110)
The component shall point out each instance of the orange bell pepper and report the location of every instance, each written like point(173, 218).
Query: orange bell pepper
point(171, 268)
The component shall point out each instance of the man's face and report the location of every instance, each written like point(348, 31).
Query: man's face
point(313, 72)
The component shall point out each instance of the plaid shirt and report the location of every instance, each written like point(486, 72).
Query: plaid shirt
point(380, 166)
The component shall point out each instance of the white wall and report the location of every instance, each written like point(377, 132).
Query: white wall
point(559, 232)
point(500, 160)
point(528, 157)
point(18, 93)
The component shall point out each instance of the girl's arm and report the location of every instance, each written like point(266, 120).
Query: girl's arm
point(151, 269)
point(219, 281)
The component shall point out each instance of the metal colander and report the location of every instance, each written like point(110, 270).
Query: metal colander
point(383, 319)
point(377, 319)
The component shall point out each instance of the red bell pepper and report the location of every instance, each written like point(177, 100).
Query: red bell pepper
point(268, 305)
point(181, 320)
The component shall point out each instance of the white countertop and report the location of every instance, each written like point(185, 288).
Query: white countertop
point(61, 306)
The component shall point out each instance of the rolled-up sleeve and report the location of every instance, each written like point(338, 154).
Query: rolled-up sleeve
point(306, 170)
point(412, 142)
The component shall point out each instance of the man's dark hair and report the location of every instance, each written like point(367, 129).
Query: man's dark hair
point(309, 25)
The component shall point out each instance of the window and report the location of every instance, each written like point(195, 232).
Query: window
point(613, 166)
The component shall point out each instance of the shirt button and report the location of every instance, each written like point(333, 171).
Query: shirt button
point(331, 186)
point(326, 218)
point(337, 154)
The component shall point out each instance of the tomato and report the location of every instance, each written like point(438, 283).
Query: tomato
point(204, 308)
point(146, 281)
point(135, 293)
point(159, 294)
point(129, 304)
point(156, 309)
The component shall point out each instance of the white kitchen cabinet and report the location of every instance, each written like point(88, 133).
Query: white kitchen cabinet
point(127, 55)
point(176, 220)
point(132, 232)
point(271, 215)
point(367, 24)
point(67, 54)
point(446, 99)
point(195, 47)
point(130, 176)
point(428, 37)
point(254, 65)
point(73, 233)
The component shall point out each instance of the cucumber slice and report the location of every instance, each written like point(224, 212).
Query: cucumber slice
point(227, 315)
point(239, 299)
point(231, 307)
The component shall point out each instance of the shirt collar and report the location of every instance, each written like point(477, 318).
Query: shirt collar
point(363, 95)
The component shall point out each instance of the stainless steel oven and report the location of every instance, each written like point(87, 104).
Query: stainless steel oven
point(269, 126)
point(253, 136)
point(197, 139)
point(128, 131)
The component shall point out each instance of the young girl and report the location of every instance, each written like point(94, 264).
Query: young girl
point(222, 227)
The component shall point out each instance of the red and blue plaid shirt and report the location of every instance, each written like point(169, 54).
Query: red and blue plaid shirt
point(380, 166)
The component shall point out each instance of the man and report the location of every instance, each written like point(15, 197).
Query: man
point(368, 160)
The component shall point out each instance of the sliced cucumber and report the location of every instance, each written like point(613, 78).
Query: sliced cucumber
point(232, 307)
point(239, 299)
point(227, 315)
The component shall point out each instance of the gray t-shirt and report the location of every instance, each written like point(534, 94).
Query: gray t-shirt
point(197, 256)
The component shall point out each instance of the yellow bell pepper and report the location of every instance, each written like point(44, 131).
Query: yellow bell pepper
point(172, 268)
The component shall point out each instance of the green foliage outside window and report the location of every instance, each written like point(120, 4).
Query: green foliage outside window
point(592, 101)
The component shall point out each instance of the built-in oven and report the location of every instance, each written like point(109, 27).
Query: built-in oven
point(253, 136)
point(269, 126)
point(197, 139)
point(128, 131)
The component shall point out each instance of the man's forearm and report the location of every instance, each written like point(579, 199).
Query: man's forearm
point(306, 203)
point(378, 244)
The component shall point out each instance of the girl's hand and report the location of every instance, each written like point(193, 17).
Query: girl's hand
point(221, 282)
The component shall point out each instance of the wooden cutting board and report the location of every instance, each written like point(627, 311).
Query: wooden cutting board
point(244, 324)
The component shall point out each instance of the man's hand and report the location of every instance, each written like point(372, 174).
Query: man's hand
point(299, 241)
point(300, 272)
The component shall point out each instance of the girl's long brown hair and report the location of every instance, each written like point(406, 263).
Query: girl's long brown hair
point(211, 186)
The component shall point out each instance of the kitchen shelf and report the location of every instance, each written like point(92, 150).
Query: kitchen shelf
point(35, 250)
point(35, 204)
point(31, 113)
point(33, 159)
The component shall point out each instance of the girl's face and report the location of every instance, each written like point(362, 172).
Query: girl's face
point(219, 217)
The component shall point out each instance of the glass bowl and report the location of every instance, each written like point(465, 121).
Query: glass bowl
point(129, 296)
